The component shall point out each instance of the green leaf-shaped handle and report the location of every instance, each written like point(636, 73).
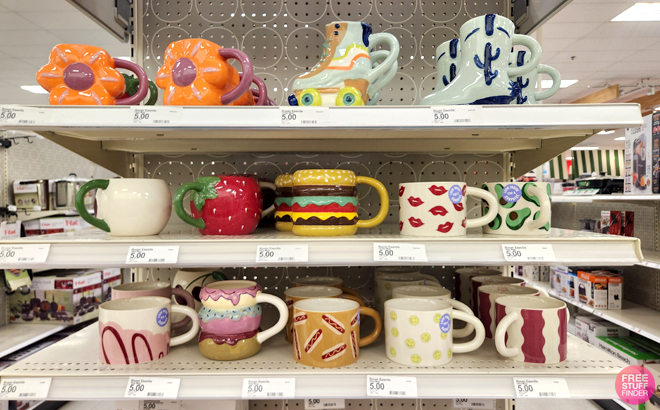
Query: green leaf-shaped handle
point(80, 202)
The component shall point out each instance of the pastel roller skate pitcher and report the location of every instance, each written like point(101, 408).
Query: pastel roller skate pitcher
point(345, 75)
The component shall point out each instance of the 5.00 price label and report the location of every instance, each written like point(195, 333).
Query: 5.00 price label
point(25, 389)
point(152, 254)
point(315, 404)
point(156, 387)
point(21, 254)
point(304, 116)
point(456, 115)
point(541, 387)
point(277, 388)
point(400, 252)
point(392, 386)
point(23, 115)
point(529, 253)
point(157, 115)
point(283, 253)
point(487, 404)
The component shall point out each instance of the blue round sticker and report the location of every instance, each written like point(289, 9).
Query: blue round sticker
point(455, 194)
point(445, 323)
point(162, 317)
point(511, 193)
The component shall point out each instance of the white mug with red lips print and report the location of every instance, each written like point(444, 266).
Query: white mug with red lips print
point(531, 329)
point(439, 209)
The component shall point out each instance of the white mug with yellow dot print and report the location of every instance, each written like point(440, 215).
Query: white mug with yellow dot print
point(418, 332)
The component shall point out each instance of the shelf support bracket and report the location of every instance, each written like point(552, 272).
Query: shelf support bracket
point(524, 161)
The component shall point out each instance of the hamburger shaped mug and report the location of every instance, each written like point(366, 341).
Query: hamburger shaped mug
point(326, 332)
point(224, 205)
point(231, 317)
point(284, 191)
point(439, 209)
point(325, 202)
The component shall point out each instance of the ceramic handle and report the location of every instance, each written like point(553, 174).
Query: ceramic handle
point(281, 323)
point(493, 207)
point(377, 329)
point(500, 333)
point(190, 302)
point(542, 292)
point(80, 202)
point(534, 49)
point(178, 204)
point(379, 57)
point(192, 333)
point(479, 336)
point(467, 330)
point(262, 94)
point(546, 207)
point(246, 78)
point(390, 60)
point(556, 82)
point(143, 86)
point(267, 185)
point(384, 202)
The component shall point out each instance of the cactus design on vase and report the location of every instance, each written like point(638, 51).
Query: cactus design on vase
point(520, 60)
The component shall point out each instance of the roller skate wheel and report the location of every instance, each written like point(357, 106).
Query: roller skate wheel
point(349, 96)
point(310, 97)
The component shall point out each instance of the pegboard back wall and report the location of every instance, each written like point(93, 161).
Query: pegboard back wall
point(284, 38)
point(369, 404)
point(389, 169)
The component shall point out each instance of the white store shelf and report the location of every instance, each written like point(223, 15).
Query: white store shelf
point(634, 317)
point(604, 198)
point(651, 259)
point(77, 374)
point(97, 249)
point(27, 215)
point(14, 337)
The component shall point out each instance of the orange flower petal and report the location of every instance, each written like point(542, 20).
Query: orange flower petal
point(59, 95)
point(164, 76)
point(214, 71)
point(50, 76)
point(64, 54)
point(111, 80)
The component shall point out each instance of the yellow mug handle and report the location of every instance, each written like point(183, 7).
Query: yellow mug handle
point(384, 202)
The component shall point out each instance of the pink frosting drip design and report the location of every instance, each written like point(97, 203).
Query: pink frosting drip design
point(231, 340)
point(228, 326)
point(484, 313)
point(127, 346)
point(532, 332)
point(232, 295)
point(563, 331)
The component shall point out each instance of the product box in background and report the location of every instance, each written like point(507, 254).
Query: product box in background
point(589, 327)
point(605, 221)
point(557, 278)
point(111, 278)
point(656, 152)
point(10, 230)
point(67, 296)
point(535, 273)
point(595, 289)
point(628, 350)
point(628, 218)
point(616, 223)
point(614, 291)
point(45, 226)
point(654, 401)
point(639, 159)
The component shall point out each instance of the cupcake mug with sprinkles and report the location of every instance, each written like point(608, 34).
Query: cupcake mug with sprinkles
point(325, 202)
point(284, 191)
point(419, 332)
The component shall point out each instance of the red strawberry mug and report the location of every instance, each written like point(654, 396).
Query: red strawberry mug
point(438, 208)
point(224, 205)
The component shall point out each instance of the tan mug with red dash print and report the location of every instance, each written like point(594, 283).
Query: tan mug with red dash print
point(326, 332)
point(439, 208)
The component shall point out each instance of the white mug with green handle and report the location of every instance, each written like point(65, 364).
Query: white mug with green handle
point(524, 208)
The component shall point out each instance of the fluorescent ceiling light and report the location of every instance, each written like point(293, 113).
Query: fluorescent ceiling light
point(37, 89)
point(640, 12)
point(564, 83)
point(584, 148)
point(620, 139)
point(605, 132)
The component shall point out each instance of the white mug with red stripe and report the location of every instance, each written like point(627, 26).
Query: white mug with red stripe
point(531, 329)
point(439, 208)
point(488, 294)
point(479, 281)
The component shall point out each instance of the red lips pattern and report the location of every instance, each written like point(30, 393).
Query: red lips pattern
point(416, 223)
point(415, 202)
point(401, 189)
point(446, 227)
point(458, 207)
point(437, 190)
point(400, 226)
point(464, 222)
point(438, 210)
point(464, 189)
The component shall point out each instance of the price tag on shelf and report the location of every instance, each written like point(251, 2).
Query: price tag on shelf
point(25, 388)
point(159, 405)
point(155, 387)
point(304, 116)
point(529, 253)
point(282, 253)
point(400, 252)
point(23, 115)
point(153, 254)
point(316, 404)
point(541, 387)
point(456, 115)
point(156, 115)
point(488, 404)
point(392, 386)
point(276, 388)
point(19, 254)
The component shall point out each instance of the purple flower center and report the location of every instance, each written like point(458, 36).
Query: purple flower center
point(184, 72)
point(78, 76)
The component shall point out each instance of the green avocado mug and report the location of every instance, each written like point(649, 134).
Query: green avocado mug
point(524, 208)
point(127, 206)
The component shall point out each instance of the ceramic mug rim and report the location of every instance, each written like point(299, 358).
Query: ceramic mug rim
point(515, 289)
point(484, 271)
point(318, 281)
point(485, 279)
point(530, 302)
point(224, 285)
point(417, 305)
point(394, 270)
point(329, 291)
point(141, 286)
point(326, 305)
point(432, 291)
point(434, 183)
point(135, 304)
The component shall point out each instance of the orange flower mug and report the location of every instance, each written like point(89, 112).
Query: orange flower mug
point(196, 72)
point(86, 75)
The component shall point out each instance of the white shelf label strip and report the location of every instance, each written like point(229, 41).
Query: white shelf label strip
point(25, 388)
point(315, 404)
point(167, 116)
point(456, 115)
point(282, 253)
point(152, 388)
point(152, 254)
point(392, 386)
point(304, 117)
point(400, 252)
point(529, 253)
point(24, 115)
point(267, 388)
point(546, 387)
point(37, 253)
point(486, 404)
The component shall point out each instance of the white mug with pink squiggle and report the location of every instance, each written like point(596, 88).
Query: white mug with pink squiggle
point(137, 330)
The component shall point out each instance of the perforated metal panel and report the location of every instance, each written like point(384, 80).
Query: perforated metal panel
point(284, 38)
point(369, 404)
